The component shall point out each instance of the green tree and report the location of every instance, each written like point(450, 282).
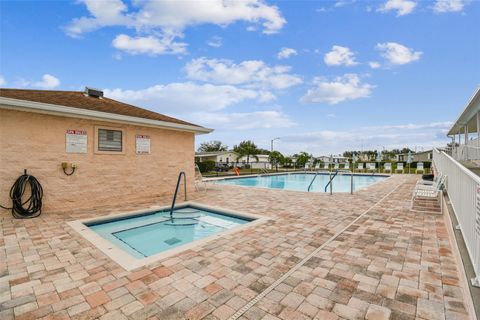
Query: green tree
point(276, 158)
point(246, 149)
point(212, 146)
point(303, 158)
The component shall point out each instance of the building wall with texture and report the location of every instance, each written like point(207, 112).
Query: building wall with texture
point(36, 142)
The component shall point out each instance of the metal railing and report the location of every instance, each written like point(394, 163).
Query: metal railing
point(176, 190)
point(463, 189)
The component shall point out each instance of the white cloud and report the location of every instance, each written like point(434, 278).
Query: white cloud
point(398, 54)
point(286, 53)
point(268, 119)
point(403, 7)
point(346, 87)
point(167, 20)
point(443, 6)
point(149, 45)
point(48, 82)
point(374, 64)
point(340, 56)
point(185, 97)
point(2, 81)
point(215, 42)
point(251, 73)
point(422, 135)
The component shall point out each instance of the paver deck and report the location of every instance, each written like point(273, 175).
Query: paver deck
point(388, 263)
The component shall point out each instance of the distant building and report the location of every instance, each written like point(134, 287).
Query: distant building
point(234, 159)
point(332, 159)
point(217, 156)
point(424, 156)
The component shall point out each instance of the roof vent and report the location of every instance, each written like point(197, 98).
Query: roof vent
point(91, 92)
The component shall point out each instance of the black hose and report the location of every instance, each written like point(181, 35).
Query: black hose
point(19, 208)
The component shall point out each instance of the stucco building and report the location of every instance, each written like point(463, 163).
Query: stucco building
point(88, 150)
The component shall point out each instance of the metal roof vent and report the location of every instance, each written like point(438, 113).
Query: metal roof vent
point(92, 92)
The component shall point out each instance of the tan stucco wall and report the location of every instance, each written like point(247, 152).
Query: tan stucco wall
point(36, 142)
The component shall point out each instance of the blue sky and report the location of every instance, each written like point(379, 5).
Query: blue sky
point(324, 76)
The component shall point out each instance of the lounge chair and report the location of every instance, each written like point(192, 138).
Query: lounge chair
point(371, 167)
point(336, 166)
point(420, 167)
point(360, 167)
point(307, 166)
point(199, 179)
point(387, 167)
point(346, 166)
point(432, 182)
point(326, 166)
point(399, 167)
point(429, 191)
point(317, 166)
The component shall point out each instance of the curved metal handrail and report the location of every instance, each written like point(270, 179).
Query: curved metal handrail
point(182, 173)
point(330, 181)
point(310, 185)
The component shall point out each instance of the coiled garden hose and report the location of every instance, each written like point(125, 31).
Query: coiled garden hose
point(32, 206)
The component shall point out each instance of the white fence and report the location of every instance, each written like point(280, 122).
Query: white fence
point(463, 188)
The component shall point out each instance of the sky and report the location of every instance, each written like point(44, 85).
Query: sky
point(323, 76)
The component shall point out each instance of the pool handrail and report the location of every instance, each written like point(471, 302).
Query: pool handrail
point(182, 173)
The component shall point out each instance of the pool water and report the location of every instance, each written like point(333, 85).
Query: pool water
point(301, 181)
point(155, 232)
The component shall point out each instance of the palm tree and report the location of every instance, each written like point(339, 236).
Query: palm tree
point(246, 149)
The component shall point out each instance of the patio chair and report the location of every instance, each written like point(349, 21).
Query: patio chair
point(429, 191)
point(420, 167)
point(317, 166)
point(326, 166)
point(307, 166)
point(199, 179)
point(387, 167)
point(432, 182)
point(371, 167)
point(346, 166)
point(360, 167)
point(336, 166)
point(399, 167)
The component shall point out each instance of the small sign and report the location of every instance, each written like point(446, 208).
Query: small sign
point(142, 144)
point(76, 141)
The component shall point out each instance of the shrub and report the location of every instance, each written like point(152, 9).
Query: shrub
point(206, 166)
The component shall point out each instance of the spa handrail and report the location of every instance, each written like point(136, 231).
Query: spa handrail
point(182, 173)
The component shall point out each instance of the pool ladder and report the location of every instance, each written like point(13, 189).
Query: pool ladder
point(182, 173)
point(331, 180)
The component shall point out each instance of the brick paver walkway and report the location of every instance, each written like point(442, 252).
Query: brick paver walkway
point(390, 264)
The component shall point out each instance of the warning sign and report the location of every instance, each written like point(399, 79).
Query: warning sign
point(76, 141)
point(142, 144)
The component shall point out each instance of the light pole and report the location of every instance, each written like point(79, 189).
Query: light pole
point(271, 143)
point(271, 150)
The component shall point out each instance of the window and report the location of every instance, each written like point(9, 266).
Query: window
point(109, 140)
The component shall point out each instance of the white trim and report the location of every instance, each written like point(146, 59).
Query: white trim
point(24, 105)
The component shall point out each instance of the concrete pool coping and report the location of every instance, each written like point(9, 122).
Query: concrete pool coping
point(128, 262)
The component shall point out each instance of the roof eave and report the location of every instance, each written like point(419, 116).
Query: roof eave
point(46, 108)
point(459, 125)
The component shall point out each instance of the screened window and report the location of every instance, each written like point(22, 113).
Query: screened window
point(110, 140)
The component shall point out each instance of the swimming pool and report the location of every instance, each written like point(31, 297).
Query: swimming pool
point(301, 181)
point(138, 238)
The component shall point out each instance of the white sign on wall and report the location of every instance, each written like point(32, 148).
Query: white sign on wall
point(142, 144)
point(76, 141)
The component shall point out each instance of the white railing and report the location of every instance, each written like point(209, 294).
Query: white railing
point(463, 188)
